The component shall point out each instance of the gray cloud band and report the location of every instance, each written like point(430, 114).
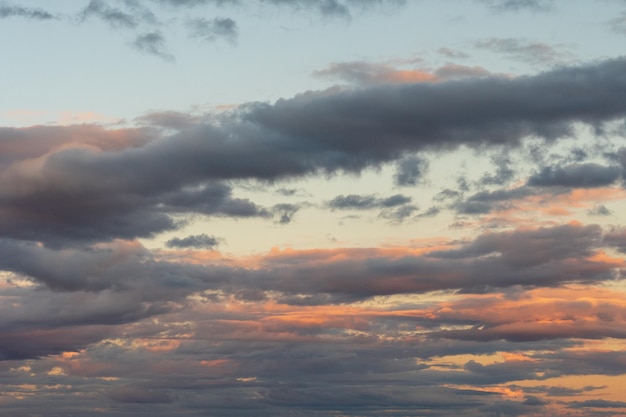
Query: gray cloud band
point(86, 192)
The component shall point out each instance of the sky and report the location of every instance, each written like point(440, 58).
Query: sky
point(342, 208)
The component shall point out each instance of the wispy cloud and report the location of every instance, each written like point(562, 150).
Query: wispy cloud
point(9, 10)
point(153, 43)
point(526, 51)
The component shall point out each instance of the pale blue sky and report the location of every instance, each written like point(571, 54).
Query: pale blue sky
point(89, 66)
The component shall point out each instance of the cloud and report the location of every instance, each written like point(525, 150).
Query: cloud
point(504, 173)
point(366, 202)
point(618, 24)
point(452, 53)
point(599, 210)
point(391, 119)
point(212, 30)
point(577, 175)
point(486, 201)
point(491, 261)
point(597, 404)
point(617, 239)
point(153, 43)
point(115, 18)
point(558, 391)
point(138, 395)
point(8, 10)
point(202, 241)
point(521, 50)
point(517, 5)
point(285, 212)
point(57, 194)
point(410, 170)
point(81, 207)
point(341, 8)
point(170, 120)
point(431, 212)
point(551, 256)
point(541, 245)
point(363, 73)
point(458, 72)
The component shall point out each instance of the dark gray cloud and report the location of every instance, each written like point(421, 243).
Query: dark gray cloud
point(541, 245)
point(78, 210)
point(526, 51)
point(202, 241)
point(117, 267)
point(587, 175)
point(550, 256)
point(557, 391)
point(542, 257)
point(153, 43)
point(154, 175)
point(9, 10)
point(25, 344)
point(390, 119)
point(212, 30)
